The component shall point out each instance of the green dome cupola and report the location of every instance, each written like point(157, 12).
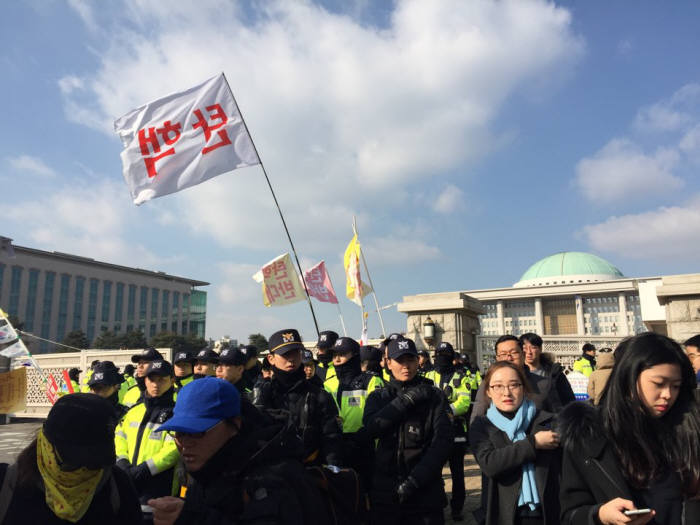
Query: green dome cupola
point(569, 268)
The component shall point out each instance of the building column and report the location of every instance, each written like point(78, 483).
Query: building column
point(622, 325)
point(580, 328)
point(539, 317)
point(501, 319)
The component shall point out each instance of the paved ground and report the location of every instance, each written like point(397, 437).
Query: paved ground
point(15, 436)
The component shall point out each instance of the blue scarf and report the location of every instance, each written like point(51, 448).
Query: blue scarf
point(515, 430)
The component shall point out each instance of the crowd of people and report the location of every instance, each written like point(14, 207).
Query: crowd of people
point(357, 434)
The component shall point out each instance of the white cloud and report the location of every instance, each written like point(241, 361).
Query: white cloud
point(663, 234)
point(344, 114)
point(451, 199)
point(625, 46)
point(89, 220)
point(673, 113)
point(621, 170)
point(237, 286)
point(33, 165)
point(84, 10)
point(399, 250)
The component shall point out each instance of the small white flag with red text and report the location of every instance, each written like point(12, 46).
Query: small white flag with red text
point(281, 284)
point(183, 139)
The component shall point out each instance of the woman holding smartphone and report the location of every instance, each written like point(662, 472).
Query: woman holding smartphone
point(635, 459)
point(517, 450)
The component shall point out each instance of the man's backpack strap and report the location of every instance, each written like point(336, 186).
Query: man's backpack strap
point(7, 490)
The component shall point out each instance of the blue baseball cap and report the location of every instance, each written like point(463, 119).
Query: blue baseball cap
point(202, 404)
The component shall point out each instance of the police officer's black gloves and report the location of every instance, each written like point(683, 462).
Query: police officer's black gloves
point(406, 489)
point(139, 475)
point(124, 464)
point(417, 394)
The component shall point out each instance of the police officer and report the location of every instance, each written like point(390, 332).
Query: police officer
point(457, 389)
point(84, 382)
point(409, 417)
point(289, 396)
point(384, 348)
point(309, 364)
point(128, 374)
point(142, 360)
point(74, 378)
point(325, 342)
point(350, 387)
point(231, 366)
point(183, 364)
point(105, 382)
point(205, 363)
point(586, 363)
point(424, 364)
point(148, 455)
point(370, 360)
point(253, 368)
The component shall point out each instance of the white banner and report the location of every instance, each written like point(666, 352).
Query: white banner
point(280, 281)
point(183, 139)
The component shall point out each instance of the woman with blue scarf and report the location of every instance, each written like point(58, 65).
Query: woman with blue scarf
point(518, 451)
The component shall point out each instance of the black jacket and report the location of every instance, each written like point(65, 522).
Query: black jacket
point(413, 441)
point(312, 411)
point(256, 478)
point(591, 473)
point(115, 502)
point(501, 461)
point(554, 387)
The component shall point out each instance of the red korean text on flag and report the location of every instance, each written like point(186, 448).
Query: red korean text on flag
point(280, 282)
point(182, 140)
point(318, 284)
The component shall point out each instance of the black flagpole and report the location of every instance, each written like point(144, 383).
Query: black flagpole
point(284, 223)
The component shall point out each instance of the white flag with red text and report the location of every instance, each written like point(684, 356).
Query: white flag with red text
point(183, 139)
point(280, 281)
point(318, 284)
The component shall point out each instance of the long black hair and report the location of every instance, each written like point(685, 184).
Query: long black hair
point(648, 447)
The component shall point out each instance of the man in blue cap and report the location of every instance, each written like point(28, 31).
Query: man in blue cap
point(234, 468)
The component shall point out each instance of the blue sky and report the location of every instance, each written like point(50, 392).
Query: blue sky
point(469, 138)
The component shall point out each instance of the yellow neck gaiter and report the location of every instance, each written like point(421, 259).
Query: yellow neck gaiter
point(68, 494)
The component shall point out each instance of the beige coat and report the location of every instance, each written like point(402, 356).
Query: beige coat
point(596, 383)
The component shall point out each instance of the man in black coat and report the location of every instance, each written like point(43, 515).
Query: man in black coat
point(291, 398)
point(235, 471)
point(409, 417)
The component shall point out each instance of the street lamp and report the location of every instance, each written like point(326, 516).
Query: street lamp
point(429, 331)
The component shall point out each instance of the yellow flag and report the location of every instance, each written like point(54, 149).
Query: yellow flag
point(355, 289)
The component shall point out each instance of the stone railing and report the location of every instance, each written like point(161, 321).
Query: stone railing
point(564, 349)
point(38, 405)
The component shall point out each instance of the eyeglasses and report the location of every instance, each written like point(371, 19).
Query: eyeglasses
point(506, 355)
point(512, 387)
point(179, 436)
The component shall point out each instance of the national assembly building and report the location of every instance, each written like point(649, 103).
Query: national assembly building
point(55, 293)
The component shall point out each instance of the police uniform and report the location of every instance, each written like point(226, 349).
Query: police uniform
point(106, 373)
point(324, 368)
point(414, 434)
point(289, 396)
point(236, 357)
point(585, 365)
point(183, 356)
point(135, 393)
point(350, 388)
point(206, 355)
point(457, 387)
point(145, 453)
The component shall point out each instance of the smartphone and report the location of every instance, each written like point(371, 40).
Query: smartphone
point(636, 512)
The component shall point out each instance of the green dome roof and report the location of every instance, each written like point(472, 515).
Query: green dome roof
point(569, 268)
